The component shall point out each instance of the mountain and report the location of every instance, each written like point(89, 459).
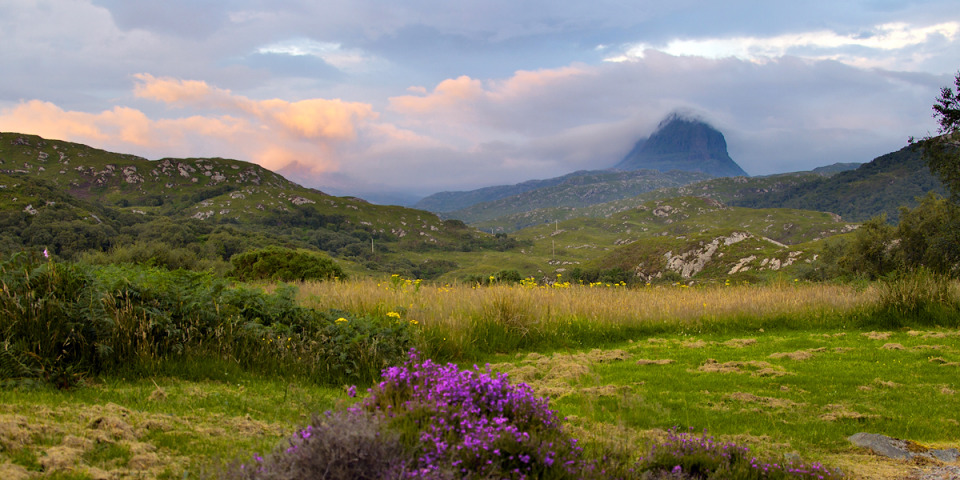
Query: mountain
point(855, 191)
point(75, 199)
point(724, 189)
point(682, 143)
point(576, 190)
point(451, 201)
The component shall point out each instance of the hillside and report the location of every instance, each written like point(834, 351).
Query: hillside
point(878, 187)
point(828, 170)
point(72, 199)
point(856, 192)
point(633, 244)
point(724, 189)
point(686, 144)
point(450, 201)
point(583, 189)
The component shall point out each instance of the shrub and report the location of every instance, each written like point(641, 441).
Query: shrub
point(52, 325)
point(685, 455)
point(471, 423)
point(335, 446)
point(284, 264)
point(60, 321)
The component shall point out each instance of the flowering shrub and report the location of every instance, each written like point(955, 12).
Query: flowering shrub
point(334, 446)
point(689, 456)
point(471, 423)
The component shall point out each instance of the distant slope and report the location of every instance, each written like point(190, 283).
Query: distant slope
point(878, 187)
point(828, 170)
point(685, 144)
point(583, 189)
point(725, 189)
point(692, 237)
point(136, 199)
point(450, 201)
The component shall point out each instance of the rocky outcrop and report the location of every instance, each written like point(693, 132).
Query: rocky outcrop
point(690, 263)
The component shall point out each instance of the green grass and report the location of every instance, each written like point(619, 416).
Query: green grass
point(850, 383)
point(166, 426)
point(193, 425)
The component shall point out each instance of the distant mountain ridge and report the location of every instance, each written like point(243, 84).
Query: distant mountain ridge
point(683, 143)
point(880, 186)
point(456, 200)
point(580, 190)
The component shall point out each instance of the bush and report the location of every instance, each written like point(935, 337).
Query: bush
point(52, 324)
point(471, 424)
point(284, 264)
point(335, 446)
point(690, 456)
point(61, 321)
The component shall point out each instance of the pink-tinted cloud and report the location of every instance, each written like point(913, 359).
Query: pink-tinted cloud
point(449, 94)
point(309, 134)
point(458, 95)
point(314, 118)
point(120, 124)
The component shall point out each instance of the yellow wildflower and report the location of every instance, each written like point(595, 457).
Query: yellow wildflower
point(393, 314)
point(341, 320)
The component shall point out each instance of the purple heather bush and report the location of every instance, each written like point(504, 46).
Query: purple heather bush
point(472, 423)
point(685, 455)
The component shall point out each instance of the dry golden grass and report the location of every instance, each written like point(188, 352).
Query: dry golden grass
point(536, 307)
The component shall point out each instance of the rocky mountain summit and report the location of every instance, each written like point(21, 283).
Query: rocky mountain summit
point(683, 143)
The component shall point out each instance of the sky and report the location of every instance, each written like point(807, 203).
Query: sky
point(393, 100)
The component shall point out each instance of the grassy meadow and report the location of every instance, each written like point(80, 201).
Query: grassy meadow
point(789, 369)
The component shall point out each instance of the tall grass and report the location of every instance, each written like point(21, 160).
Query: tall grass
point(461, 320)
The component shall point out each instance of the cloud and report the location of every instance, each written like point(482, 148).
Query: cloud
point(454, 93)
point(887, 45)
point(315, 118)
point(309, 134)
point(353, 60)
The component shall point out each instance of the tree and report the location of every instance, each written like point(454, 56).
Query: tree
point(947, 108)
point(942, 153)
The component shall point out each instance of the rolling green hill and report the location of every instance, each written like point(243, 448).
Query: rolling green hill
point(878, 187)
point(705, 240)
point(212, 207)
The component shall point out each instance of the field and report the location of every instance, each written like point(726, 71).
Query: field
point(790, 369)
